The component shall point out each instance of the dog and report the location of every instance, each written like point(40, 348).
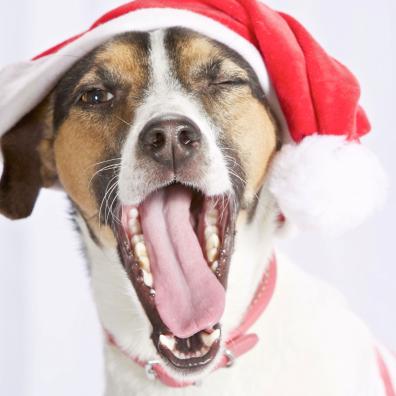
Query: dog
point(163, 141)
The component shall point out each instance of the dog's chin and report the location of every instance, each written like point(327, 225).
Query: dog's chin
point(176, 248)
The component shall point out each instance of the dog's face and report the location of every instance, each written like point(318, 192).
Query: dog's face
point(162, 141)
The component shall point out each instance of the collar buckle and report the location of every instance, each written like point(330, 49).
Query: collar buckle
point(230, 358)
point(149, 369)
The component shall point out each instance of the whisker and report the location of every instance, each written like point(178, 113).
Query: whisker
point(107, 208)
point(227, 157)
point(110, 210)
point(113, 216)
point(108, 167)
point(122, 120)
point(229, 149)
point(102, 162)
point(104, 197)
point(238, 177)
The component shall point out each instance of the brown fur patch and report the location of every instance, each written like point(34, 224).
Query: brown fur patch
point(28, 163)
point(252, 133)
point(83, 137)
point(239, 109)
point(89, 136)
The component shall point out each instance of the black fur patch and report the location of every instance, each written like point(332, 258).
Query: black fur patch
point(210, 72)
point(66, 94)
point(64, 91)
point(105, 189)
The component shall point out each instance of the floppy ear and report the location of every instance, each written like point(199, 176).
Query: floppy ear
point(28, 163)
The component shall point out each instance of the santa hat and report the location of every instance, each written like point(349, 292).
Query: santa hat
point(322, 177)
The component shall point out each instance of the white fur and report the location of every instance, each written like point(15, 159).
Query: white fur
point(326, 183)
point(328, 188)
point(166, 96)
point(310, 343)
point(25, 84)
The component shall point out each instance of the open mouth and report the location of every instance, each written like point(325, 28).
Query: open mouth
point(176, 247)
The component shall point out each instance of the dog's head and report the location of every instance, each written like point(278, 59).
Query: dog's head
point(162, 141)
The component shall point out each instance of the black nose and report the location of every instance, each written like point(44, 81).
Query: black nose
point(170, 140)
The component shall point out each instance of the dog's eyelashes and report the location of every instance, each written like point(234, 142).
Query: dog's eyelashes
point(96, 96)
point(236, 81)
point(229, 82)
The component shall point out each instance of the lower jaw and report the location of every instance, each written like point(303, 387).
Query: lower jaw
point(182, 360)
point(190, 361)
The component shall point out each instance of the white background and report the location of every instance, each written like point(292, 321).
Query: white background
point(49, 332)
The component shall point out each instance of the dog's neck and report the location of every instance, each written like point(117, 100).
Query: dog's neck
point(120, 311)
point(253, 251)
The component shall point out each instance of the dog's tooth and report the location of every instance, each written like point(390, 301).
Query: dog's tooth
point(213, 242)
point(137, 238)
point(212, 254)
point(133, 213)
point(144, 263)
point(147, 278)
point(209, 339)
point(211, 216)
point(213, 212)
point(209, 230)
point(134, 226)
point(168, 341)
point(203, 350)
point(214, 266)
point(140, 249)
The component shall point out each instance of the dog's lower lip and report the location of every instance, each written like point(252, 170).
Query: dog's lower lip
point(132, 252)
point(192, 353)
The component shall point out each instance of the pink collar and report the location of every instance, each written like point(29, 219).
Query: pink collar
point(237, 343)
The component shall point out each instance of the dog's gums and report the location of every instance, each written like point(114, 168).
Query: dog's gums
point(190, 353)
point(175, 247)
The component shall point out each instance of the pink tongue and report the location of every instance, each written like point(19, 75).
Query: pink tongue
point(189, 298)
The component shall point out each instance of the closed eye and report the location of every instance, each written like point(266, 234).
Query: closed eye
point(221, 72)
point(230, 81)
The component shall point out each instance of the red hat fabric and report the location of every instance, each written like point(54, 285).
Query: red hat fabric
point(317, 94)
point(315, 97)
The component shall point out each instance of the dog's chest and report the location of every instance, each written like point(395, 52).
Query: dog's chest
point(309, 345)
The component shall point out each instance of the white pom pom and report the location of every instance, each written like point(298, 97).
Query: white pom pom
point(326, 183)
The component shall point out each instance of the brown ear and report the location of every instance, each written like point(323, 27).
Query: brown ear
point(28, 164)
